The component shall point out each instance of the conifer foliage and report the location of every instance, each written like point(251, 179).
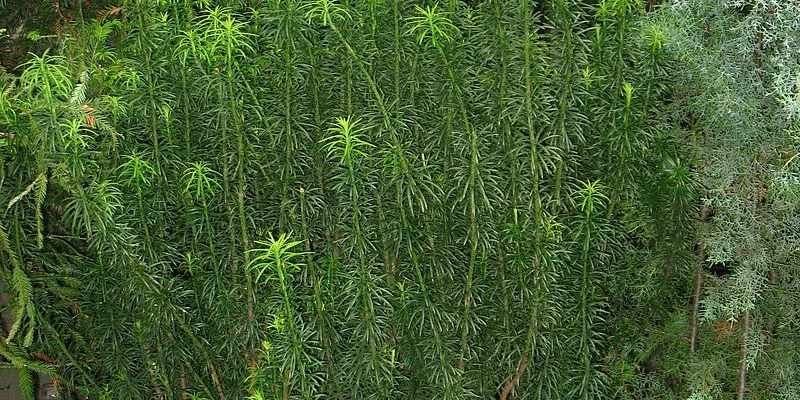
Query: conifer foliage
point(377, 199)
point(737, 102)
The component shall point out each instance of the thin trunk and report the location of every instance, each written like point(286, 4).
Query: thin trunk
point(387, 120)
point(396, 9)
point(150, 372)
point(166, 372)
point(238, 121)
point(561, 136)
point(742, 387)
point(696, 297)
point(77, 365)
point(288, 95)
point(319, 303)
point(772, 322)
point(153, 117)
point(388, 263)
point(533, 142)
point(289, 315)
point(198, 380)
point(142, 215)
point(210, 234)
point(226, 178)
point(184, 394)
point(545, 367)
point(514, 381)
point(204, 353)
point(586, 356)
point(186, 114)
point(472, 212)
point(526, 354)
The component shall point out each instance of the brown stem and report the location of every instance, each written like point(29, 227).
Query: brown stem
point(514, 381)
point(184, 395)
point(64, 351)
point(151, 373)
point(523, 362)
point(772, 322)
point(387, 262)
point(215, 378)
point(698, 293)
point(742, 392)
point(198, 380)
point(204, 353)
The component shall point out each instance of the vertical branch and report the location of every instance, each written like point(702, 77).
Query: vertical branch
point(533, 136)
point(288, 95)
point(396, 17)
point(565, 21)
point(319, 303)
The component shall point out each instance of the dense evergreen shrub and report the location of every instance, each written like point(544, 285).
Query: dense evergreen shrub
point(393, 199)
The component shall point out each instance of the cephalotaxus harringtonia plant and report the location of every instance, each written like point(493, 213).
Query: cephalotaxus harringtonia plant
point(200, 182)
point(137, 174)
point(365, 299)
point(440, 250)
point(471, 179)
point(592, 233)
point(291, 343)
